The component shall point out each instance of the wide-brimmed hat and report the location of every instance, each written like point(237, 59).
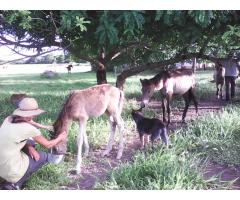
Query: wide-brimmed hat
point(28, 107)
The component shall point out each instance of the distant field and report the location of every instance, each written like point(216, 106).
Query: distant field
point(40, 68)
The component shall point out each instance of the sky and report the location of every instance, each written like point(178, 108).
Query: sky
point(7, 55)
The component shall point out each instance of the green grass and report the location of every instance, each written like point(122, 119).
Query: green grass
point(211, 138)
point(214, 137)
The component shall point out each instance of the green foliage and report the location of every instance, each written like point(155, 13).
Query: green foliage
point(133, 22)
point(22, 16)
point(106, 31)
point(72, 19)
point(88, 34)
point(203, 18)
point(232, 36)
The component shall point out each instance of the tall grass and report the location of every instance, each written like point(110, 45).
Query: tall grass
point(209, 138)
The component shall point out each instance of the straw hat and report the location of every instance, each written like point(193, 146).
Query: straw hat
point(28, 107)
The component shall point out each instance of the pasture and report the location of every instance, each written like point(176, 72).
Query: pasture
point(211, 138)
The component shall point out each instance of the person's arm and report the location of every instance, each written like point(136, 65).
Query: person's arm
point(37, 125)
point(50, 143)
point(238, 66)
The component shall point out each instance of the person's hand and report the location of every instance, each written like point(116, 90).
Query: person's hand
point(49, 128)
point(33, 153)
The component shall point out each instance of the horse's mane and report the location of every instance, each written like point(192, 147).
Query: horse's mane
point(63, 115)
point(170, 73)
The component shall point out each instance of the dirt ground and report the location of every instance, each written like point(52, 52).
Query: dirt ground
point(97, 167)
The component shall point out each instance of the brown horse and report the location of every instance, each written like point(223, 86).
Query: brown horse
point(171, 82)
point(219, 78)
point(91, 102)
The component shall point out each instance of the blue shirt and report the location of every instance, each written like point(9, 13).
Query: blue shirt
point(231, 67)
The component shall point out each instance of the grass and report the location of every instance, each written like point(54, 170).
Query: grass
point(210, 138)
point(214, 137)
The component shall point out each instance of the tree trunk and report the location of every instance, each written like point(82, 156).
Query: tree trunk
point(120, 82)
point(101, 76)
point(194, 65)
point(204, 66)
point(121, 78)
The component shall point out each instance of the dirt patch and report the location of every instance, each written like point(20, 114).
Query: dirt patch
point(223, 173)
point(97, 167)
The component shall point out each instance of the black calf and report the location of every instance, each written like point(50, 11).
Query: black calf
point(152, 127)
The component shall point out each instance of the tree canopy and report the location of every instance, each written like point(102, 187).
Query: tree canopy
point(142, 39)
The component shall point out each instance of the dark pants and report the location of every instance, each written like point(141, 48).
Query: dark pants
point(33, 167)
point(230, 81)
point(33, 164)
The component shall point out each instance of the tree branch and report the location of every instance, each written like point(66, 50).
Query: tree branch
point(117, 51)
point(33, 45)
point(29, 56)
point(150, 66)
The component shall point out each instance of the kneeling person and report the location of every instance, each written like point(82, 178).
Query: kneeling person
point(18, 134)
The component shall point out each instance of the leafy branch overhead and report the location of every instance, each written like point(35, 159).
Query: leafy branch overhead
point(108, 38)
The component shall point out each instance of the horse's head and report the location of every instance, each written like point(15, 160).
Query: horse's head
point(60, 148)
point(148, 88)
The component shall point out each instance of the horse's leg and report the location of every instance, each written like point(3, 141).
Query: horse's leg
point(194, 98)
point(113, 126)
point(164, 108)
point(217, 91)
point(186, 98)
point(169, 97)
point(221, 88)
point(80, 136)
point(142, 141)
point(120, 125)
point(86, 145)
